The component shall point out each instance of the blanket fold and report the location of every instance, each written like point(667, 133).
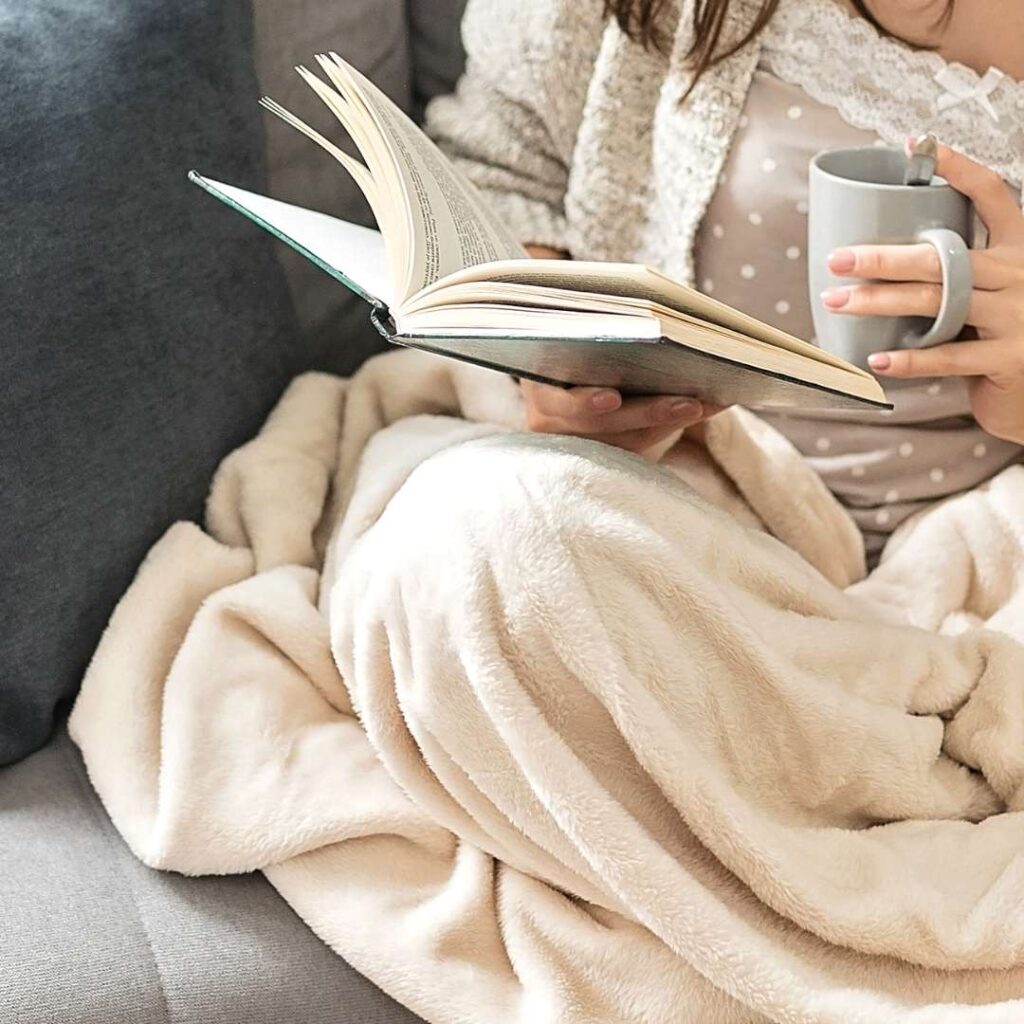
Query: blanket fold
point(529, 729)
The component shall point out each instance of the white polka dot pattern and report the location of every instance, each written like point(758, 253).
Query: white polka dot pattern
point(751, 250)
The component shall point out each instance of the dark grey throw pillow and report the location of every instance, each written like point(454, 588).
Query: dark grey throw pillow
point(146, 329)
point(372, 35)
point(436, 43)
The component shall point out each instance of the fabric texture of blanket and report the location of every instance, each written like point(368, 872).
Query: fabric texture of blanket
point(532, 730)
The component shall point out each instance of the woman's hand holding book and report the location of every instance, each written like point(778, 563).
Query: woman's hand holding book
point(635, 424)
point(602, 414)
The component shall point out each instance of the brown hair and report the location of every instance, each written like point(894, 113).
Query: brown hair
point(640, 19)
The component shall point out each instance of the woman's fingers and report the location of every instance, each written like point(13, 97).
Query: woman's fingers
point(991, 196)
point(634, 414)
point(916, 262)
point(568, 403)
point(888, 262)
point(587, 412)
point(913, 299)
point(991, 358)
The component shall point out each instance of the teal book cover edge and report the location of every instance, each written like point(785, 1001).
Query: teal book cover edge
point(197, 179)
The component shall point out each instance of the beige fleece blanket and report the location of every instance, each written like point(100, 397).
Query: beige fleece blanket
point(530, 730)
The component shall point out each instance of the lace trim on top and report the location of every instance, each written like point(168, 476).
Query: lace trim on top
point(881, 85)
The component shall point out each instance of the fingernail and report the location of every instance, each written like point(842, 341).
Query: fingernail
point(681, 408)
point(606, 401)
point(842, 261)
point(880, 361)
point(835, 298)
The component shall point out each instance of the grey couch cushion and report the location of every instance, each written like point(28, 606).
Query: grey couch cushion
point(436, 42)
point(411, 49)
point(372, 35)
point(146, 329)
point(88, 935)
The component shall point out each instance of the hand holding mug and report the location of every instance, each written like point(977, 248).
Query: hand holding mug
point(906, 281)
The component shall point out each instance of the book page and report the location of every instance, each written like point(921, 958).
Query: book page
point(453, 297)
point(452, 226)
point(433, 220)
point(638, 282)
point(488, 318)
point(377, 178)
point(509, 310)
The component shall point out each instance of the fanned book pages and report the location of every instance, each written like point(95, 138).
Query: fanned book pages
point(443, 274)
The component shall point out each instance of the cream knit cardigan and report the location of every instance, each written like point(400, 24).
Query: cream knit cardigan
point(577, 136)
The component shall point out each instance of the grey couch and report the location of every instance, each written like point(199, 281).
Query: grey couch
point(144, 333)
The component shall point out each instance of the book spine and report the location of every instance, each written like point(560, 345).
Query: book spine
point(380, 317)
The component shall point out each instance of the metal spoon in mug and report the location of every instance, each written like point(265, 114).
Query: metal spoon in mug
point(921, 162)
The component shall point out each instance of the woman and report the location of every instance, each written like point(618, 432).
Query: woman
point(682, 138)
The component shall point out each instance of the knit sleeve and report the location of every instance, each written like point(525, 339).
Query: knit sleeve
point(512, 122)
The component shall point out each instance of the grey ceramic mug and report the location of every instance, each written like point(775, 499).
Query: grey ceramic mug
point(857, 196)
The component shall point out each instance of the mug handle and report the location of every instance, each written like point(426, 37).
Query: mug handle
point(957, 285)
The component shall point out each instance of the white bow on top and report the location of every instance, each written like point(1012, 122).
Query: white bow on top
point(960, 89)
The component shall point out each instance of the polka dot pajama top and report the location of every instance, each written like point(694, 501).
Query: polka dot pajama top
point(750, 253)
point(577, 138)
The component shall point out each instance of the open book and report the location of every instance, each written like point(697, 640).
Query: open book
point(443, 274)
